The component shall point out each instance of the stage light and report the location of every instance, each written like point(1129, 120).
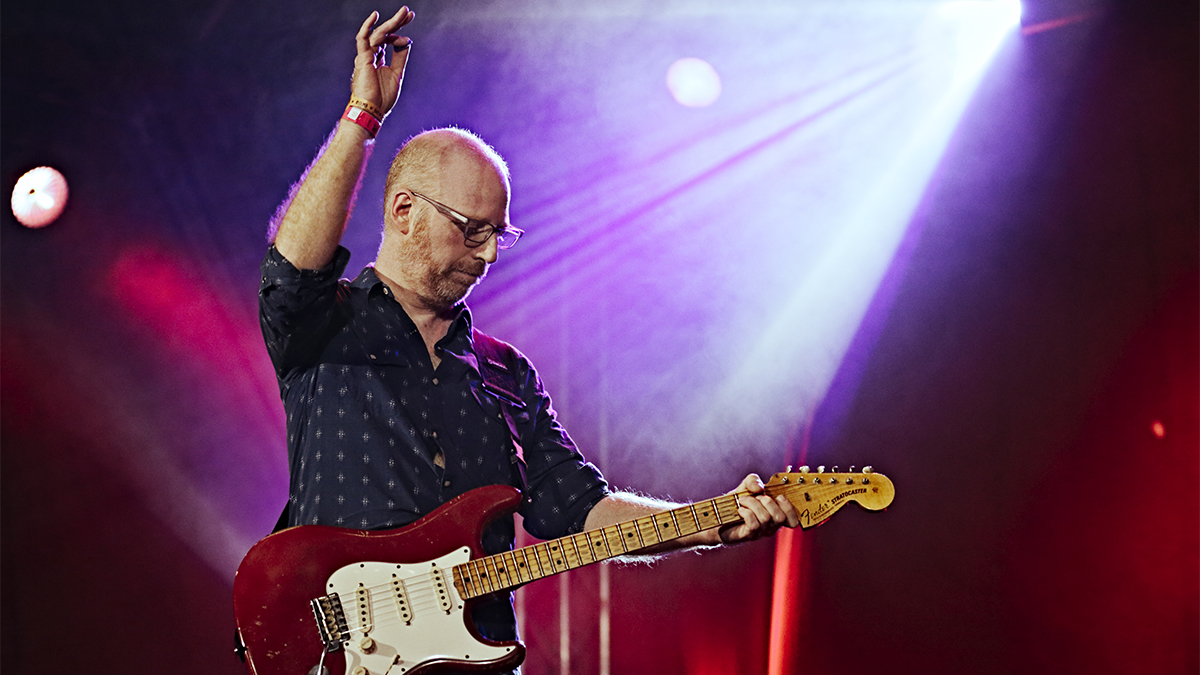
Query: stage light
point(1158, 429)
point(999, 13)
point(693, 82)
point(39, 197)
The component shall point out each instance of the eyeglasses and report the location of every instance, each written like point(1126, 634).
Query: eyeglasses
point(476, 232)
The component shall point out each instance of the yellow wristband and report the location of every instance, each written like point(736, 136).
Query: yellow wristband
point(373, 110)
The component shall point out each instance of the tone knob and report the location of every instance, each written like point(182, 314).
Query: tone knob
point(366, 645)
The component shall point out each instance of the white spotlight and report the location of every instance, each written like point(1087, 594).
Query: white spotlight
point(693, 82)
point(39, 197)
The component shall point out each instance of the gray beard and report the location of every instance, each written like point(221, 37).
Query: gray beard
point(440, 289)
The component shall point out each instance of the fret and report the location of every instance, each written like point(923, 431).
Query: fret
point(504, 570)
point(675, 520)
point(522, 568)
point(730, 507)
point(490, 579)
point(476, 578)
point(614, 540)
point(579, 561)
point(539, 572)
point(664, 526)
point(468, 573)
point(538, 552)
point(598, 545)
point(695, 518)
point(629, 538)
point(707, 516)
point(570, 556)
point(460, 584)
point(557, 559)
point(648, 530)
point(517, 568)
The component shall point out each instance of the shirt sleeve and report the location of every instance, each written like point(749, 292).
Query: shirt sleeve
point(297, 309)
point(562, 486)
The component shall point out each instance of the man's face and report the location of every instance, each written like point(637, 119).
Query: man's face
point(443, 266)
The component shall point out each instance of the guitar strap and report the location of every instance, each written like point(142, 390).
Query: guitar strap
point(498, 366)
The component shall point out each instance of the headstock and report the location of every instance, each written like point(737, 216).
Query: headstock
point(817, 495)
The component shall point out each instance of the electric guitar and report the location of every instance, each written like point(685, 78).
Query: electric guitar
point(395, 601)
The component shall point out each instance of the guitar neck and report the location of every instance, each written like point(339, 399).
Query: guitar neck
point(511, 569)
point(815, 496)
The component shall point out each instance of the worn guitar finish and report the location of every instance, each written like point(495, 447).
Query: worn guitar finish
point(395, 602)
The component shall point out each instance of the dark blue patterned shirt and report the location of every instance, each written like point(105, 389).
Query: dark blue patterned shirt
point(368, 415)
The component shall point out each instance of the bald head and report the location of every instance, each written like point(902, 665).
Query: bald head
point(425, 162)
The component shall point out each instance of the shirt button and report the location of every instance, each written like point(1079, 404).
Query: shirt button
point(434, 434)
point(434, 379)
point(446, 484)
point(372, 356)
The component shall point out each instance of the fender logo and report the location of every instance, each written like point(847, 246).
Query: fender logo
point(847, 493)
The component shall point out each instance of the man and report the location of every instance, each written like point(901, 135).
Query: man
point(392, 406)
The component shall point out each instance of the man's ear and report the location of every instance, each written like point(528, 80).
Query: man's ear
point(399, 211)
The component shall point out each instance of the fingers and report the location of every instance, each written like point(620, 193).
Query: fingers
point(791, 516)
point(752, 484)
point(369, 40)
point(383, 34)
point(363, 38)
point(761, 514)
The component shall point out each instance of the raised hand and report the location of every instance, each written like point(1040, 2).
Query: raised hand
point(375, 80)
point(761, 515)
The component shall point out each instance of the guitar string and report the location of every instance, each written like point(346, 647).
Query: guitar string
point(543, 557)
point(418, 589)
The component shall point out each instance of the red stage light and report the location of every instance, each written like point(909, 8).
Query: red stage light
point(1158, 429)
point(39, 197)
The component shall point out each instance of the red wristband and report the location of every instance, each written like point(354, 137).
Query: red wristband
point(363, 119)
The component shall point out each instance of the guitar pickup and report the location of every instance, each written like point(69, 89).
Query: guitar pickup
point(402, 605)
point(442, 588)
point(331, 621)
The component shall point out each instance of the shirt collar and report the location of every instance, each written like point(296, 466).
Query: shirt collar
point(369, 280)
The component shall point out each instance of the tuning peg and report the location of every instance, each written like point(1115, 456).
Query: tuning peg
point(851, 468)
point(804, 469)
point(821, 469)
point(835, 468)
point(788, 469)
point(868, 469)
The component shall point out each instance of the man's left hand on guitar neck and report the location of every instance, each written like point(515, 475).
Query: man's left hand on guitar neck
point(761, 515)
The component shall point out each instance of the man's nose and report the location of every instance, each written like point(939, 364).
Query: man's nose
point(488, 251)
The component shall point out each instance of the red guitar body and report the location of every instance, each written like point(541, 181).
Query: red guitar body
point(285, 571)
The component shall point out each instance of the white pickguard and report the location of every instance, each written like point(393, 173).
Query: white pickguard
point(423, 625)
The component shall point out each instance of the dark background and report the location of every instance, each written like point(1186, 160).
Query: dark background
point(1040, 315)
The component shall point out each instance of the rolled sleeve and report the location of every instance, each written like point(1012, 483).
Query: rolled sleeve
point(296, 308)
point(562, 486)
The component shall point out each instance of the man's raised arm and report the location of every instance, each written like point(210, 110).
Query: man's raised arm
point(312, 225)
